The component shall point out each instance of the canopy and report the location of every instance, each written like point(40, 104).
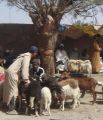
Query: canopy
point(77, 31)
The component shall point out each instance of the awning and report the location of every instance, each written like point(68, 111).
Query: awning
point(77, 31)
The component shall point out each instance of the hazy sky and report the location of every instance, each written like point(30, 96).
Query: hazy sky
point(14, 15)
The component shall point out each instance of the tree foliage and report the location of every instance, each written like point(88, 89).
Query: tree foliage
point(39, 9)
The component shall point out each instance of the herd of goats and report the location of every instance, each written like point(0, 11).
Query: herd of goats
point(53, 91)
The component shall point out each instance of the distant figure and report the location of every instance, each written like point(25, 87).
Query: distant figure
point(85, 55)
point(74, 54)
point(95, 50)
point(1, 51)
point(61, 56)
point(9, 57)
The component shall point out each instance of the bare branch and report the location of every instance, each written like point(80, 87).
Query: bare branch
point(39, 9)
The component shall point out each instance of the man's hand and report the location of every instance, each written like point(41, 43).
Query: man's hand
point(26, 82)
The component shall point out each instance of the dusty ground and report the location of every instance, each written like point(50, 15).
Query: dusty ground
point(86, 111)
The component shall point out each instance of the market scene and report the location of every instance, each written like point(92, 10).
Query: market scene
point(52, 67)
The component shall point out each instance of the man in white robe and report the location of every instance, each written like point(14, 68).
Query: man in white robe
point(61, 55)
point(20, 65)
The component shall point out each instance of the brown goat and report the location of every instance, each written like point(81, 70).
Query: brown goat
point(85, 83)
point(72, 82)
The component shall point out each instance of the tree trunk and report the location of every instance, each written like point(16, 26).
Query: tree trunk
point(47, 47)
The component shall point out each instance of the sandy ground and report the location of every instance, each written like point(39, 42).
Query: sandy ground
point(86, 111)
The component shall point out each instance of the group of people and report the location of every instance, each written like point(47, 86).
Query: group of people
point(19, 67)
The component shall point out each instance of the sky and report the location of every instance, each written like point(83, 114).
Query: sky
point(15, 15)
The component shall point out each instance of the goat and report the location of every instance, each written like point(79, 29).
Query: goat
point(68, 92)
point(32, 94)
point(63, 89)
point(85, 83)
point(22, 92)
point(46, 99)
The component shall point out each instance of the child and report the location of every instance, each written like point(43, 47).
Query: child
point(37, 70)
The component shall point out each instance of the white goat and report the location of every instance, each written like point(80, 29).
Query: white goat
point(69, 92)
point(46, 99)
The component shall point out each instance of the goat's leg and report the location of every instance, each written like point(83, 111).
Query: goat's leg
point(62, 105)
point(36, 110)
point(32, 102)
point(36, 113)
point(48, 109)
point(20, 103)
point(75, 103)
point(78, 102)
point(83, 94)
point(41, 106)
point(27, 110)
point(102, 92)
point(78, 98)
point(30, 105)
point(94, 96)
point(37, 107)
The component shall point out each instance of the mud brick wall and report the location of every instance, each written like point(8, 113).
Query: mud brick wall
point(17, 37)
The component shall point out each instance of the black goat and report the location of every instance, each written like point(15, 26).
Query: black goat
point(32, 94)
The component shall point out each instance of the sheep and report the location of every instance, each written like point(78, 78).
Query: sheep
point(46, 99)
point(80, 66)
point(73, 66)
point(85, 67)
